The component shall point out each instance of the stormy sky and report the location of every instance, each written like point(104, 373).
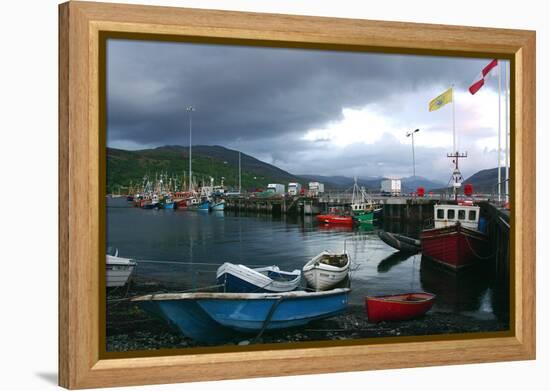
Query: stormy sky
point(305, 111)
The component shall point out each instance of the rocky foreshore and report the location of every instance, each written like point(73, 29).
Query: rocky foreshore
point(129, 329)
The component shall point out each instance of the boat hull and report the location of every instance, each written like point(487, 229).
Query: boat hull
point(218, 207)
point(454, 246)
point(321, 276)
point(335, 219)
point(398, 307)
point(208, 316)
point(275, 312)
point(364, 218)
point(189, 318)
point(399, 242)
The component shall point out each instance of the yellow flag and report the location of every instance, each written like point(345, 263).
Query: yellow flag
point(442, 100)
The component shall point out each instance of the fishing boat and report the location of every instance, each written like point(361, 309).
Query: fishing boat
point(398, 307)
point(243, 312)
point(204, 206)
point(335, 219)
point(169, 203)
point(400, 242)
point(218, 206)
point(239, 278)
point(326, 269)
point(118, 270)
point(456, 240)
point(362, 208)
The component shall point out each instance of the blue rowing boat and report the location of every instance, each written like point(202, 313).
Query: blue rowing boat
point(188, 317)
point(200, 315)
point(240, 278)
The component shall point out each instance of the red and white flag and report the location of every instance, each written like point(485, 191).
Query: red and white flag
point(480, 81)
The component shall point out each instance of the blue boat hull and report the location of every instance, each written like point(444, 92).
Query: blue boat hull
point(218, 207)
point(205, 206)
point(188, 317)
point(171, 205)
point(246, 315)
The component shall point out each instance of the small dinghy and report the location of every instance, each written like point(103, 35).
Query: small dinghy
point(400, 242)
point(118, 270)
point(326, 270)
point(208, 316)
point(239, 278)
point(398, 307)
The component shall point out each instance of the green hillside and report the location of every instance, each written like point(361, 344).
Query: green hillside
point(126, 167)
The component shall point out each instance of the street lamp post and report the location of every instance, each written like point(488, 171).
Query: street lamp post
point(190, 110)
point(411, 134)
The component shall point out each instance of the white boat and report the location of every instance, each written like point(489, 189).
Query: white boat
point(240, 278)
point(119, 270)
point(326, 270)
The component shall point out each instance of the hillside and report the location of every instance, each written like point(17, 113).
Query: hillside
point(125, 167)
point(485, 181)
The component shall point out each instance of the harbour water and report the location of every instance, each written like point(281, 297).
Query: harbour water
point(181, 250)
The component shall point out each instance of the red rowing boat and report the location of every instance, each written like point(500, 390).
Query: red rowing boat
point(335, 219)
point(398, 307)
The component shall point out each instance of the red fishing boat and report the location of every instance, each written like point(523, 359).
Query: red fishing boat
point(398, 307)
point(336, 216)
point(456, 240)
point(335, 219)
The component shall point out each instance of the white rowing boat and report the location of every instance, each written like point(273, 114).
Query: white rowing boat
point(326, 269)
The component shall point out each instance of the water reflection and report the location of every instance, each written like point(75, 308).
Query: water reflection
point(392, 260)
point(182, 250)
point(456, 291)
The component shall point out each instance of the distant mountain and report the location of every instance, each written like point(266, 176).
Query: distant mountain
point(485, 181)
point(411, 184)
point(126, 167)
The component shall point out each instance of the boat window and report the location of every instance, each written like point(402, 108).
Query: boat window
point(440, 214)
point(472, 215)
point(450, 214)
point(461, 214)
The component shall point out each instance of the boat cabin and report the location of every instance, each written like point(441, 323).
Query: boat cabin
point(465, 214)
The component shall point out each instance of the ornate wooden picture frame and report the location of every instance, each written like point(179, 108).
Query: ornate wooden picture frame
point(83, 28)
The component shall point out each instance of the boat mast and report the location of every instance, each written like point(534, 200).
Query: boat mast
point(455, 155)
point(239, 172)
point(190, 110)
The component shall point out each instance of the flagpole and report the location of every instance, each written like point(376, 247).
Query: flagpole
point(507, 135)
point(454, 128)
point(499, 178)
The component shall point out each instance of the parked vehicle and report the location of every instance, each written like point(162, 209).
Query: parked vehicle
point(294, 188)
point(390, 187)
point(276, 188)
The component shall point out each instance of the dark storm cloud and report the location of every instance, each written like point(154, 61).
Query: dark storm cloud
point(243, 92)
point(264, 100)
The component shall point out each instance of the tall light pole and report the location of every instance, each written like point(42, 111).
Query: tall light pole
point(411, 134)
point(190, 110)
